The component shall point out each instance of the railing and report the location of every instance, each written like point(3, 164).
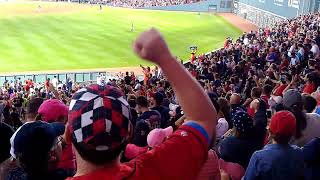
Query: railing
point(257, 16)
point(78, 77)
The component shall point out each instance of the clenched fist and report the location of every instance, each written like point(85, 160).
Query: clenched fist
point(151, 46)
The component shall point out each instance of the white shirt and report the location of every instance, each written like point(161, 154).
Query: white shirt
point(246, 41)
point(294, 61)
point(315, 50)
point(310, 132)
point(54, 82)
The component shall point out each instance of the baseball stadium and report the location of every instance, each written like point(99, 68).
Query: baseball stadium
point(41, 37)
point(159, 89)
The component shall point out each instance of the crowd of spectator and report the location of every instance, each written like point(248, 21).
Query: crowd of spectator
point(149, 3)
point(249, 110)
point(136, 3)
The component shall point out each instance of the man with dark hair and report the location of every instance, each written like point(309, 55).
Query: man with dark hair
point(32, 109)
point(153, 118)
point(278, 160)
point(146, 122)
point(266, 94)
point(309, 103)
point(99, 125)
point(164, 111)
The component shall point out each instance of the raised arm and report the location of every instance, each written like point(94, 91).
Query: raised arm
point(195, 103)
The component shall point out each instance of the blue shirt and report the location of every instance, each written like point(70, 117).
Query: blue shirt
point(318, 110)
point(280, 162)
point(312, 159)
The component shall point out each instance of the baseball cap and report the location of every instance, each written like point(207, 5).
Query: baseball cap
point(35, 137)
point(52, 109)
point(221, 127)
point(291, 97)
point(157, 136)
point(99, 119)
point(283, 123)
point(242, 122)
point(158, 97)
point(141, 132)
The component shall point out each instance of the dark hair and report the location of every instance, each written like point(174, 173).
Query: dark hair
point(99, 157)
point(256, 92)
point(225, 109)
point(309, 103)
point(158, 98)
point(267, 89)
point(280, 139)
point(297, 110)
point(33, 105)
point(142, 101)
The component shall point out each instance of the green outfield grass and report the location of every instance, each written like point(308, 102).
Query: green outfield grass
point(85, 37)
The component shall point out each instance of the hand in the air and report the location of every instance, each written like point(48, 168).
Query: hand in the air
point(151, 46)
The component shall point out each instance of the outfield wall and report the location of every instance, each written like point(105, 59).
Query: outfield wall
point(267, 12)
point(222, 6)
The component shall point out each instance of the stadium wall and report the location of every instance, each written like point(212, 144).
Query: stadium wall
point(266, 12)
point(203, 6)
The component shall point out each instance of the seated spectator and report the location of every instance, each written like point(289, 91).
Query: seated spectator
point(224, 112)
point(255, 95)
point(311, 154)
point(5, 134)
point(260, 120)
point(278, 160)
point(100, 137)
point(266, 94)
point(310, 86)
point(32, 109)
point(239, 148)
point(37, 148)
point(132, 102)
point(54, 110)
point(309, 103)
point(308, 124)
point(15, 119)
point(316, 95)
point(153, 118)
point(164, 111)
point(235, 103)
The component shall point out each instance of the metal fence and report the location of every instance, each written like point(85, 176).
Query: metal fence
point(78, 77)
point(257, 16)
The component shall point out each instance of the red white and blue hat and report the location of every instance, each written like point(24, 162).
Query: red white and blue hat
point(99, 118)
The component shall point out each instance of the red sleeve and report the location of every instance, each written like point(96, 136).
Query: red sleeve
point(179, 157)
point(309, 88)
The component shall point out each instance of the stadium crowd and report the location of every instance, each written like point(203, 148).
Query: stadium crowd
point(249, 110)
point(136, 3)
point(149, 3)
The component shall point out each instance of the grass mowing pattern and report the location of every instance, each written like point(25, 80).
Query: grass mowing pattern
point(90, 38)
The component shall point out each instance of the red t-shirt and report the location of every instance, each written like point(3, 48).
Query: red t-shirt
point(280, 90)
point(179, 157)
point(309, 88)
point(266, 100)
point(68, 159)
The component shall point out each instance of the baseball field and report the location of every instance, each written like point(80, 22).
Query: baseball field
point(43, 36)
